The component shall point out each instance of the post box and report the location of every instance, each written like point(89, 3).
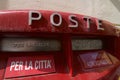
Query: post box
point(52, 45)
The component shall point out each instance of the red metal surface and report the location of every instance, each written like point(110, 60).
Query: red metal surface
point(17, 21)
point(67, 65)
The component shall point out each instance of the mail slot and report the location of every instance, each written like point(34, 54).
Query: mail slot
point(29, 44)
point(50, 45)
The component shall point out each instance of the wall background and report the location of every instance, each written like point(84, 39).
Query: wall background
point(104, 9)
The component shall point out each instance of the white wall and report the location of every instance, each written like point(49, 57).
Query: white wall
point(104, 9)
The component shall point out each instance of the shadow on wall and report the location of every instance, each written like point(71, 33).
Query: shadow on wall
point(3, 4)
point(116, 3)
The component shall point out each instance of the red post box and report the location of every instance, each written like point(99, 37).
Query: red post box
point(51, 45)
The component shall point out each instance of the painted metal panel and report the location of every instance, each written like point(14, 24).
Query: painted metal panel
point(26, 66)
